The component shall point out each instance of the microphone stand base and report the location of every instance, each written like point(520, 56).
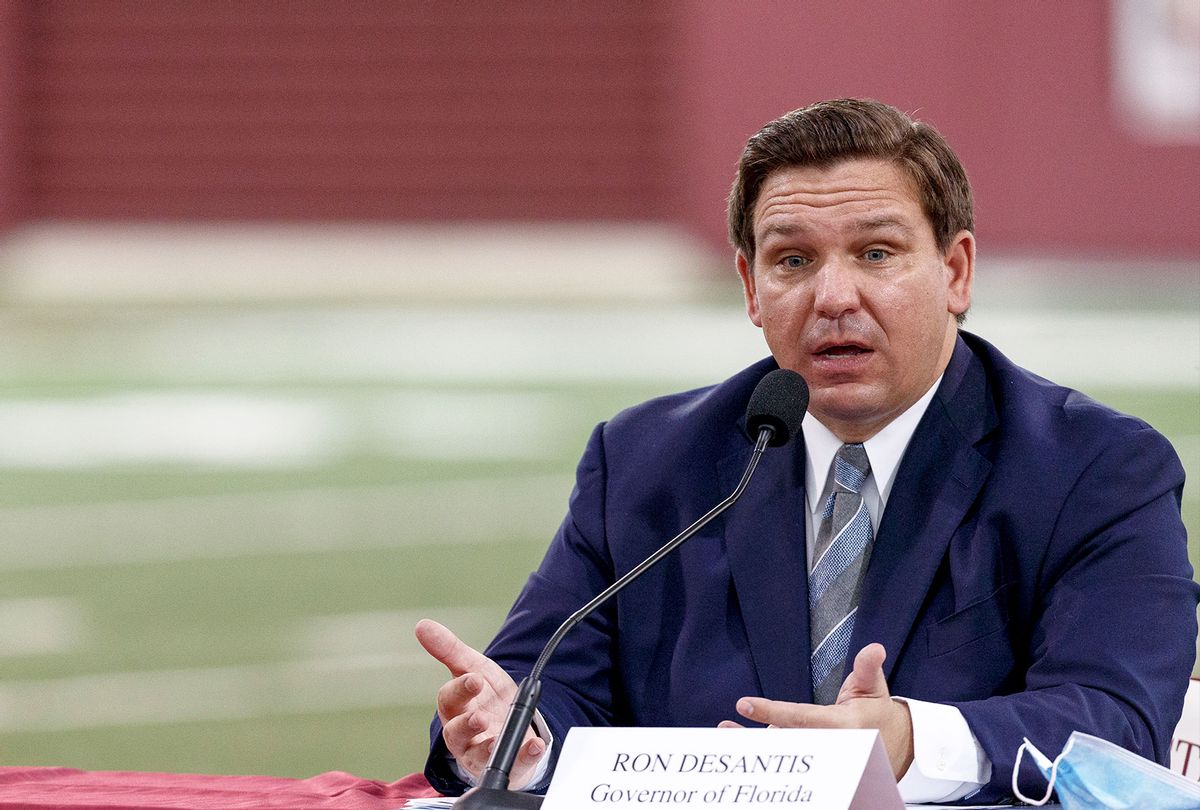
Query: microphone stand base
point(480, 798)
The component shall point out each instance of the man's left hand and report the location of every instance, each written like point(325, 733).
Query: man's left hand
point(863, 702)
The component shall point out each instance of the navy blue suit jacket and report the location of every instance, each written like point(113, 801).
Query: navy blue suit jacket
point(1030, 569)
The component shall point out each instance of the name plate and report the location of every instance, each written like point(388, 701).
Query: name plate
point(816, 769)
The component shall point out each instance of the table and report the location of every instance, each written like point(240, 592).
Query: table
point(70, 789)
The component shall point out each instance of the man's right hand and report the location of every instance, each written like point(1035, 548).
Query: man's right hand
point(473, 704)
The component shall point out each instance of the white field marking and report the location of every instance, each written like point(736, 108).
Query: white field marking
point(215, 430)
point(427, 346)
point(40, 626)
point(206, 429)
point(462, 425)
point(1121, 349)
point(347, 635)
point(341, 669)
point(56, 263)
point(308, 686)
point(484, 510)
point(664, 345)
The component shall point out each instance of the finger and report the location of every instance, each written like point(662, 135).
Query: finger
point(483, 714)
point(461, 658)
point(467, 733)
point(455, 696)
point(446, 647)
point(788, 715)
point(866, 679)
point(531, 751)
point(729, 724)
point(523, 769)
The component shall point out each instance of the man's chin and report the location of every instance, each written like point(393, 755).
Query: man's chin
point(844, 404)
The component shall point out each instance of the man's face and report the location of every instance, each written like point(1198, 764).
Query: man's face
point(851, 291)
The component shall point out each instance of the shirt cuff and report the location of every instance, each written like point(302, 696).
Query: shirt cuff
point(948, 762)
point(536, 782)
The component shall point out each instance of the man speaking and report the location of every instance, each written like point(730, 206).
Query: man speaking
point(956, 552)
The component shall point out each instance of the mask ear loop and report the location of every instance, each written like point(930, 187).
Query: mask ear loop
point(1017, 769)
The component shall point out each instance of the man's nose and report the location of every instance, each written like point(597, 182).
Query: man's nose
point(836, 289)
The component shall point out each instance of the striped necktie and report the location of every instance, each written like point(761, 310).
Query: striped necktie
point(842, 549)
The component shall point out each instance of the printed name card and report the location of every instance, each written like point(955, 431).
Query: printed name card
point(816, 769)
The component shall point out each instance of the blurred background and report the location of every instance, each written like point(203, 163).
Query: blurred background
point(307, 309)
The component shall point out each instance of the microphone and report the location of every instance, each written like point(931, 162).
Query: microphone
point(778, 403)
point(773, 415)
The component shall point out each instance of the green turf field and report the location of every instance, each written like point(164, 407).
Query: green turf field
point(217, 526)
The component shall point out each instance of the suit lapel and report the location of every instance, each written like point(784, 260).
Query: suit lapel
point(764, 539)
point(939, 478)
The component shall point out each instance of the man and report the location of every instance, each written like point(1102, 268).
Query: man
point(1003, 555)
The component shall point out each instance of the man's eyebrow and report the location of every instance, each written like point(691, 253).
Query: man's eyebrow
point(883, 224)
point(781, 229)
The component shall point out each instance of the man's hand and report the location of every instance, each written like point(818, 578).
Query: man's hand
point(474, 703)
point(863, 702)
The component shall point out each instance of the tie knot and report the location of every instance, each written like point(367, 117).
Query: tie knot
point(850, 467)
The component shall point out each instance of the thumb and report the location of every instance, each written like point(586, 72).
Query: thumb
point(440, 642)
point(866, 680)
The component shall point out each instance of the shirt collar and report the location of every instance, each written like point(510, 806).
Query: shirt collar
point(884, 450)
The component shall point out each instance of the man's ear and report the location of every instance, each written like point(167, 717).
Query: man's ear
point(746, 271)
point(960, 272)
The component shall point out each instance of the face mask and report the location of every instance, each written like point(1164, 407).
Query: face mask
point(1094, 774)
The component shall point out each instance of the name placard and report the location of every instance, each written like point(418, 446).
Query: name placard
point(816, 769)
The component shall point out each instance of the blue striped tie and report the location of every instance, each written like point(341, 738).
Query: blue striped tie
point(842, 549)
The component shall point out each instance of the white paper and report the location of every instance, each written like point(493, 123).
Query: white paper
point(697, 768)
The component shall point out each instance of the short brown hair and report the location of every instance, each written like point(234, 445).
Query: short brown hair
point(829, 132)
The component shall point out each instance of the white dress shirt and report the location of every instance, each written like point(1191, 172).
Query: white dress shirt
point(948, 762)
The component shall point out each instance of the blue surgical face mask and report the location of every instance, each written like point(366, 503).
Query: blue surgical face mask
point(1094, 774)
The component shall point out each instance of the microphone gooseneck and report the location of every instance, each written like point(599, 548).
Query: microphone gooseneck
point(773, 416)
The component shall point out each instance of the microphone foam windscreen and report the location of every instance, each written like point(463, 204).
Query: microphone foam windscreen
point(778, 402)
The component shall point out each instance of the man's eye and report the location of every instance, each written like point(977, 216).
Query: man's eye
point(794, 262)
point(875, 255)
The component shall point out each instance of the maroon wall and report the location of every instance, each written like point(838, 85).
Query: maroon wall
point(185, 109)
point(1020, 89)
point(381, 110)
point(13, 152)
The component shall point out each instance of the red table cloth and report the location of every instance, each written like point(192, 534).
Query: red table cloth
point(67, 789)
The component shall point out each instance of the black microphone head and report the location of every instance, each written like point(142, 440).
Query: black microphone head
point(778, 402)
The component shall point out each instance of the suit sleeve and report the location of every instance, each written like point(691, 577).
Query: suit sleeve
point(578, 684)
point(1114, 622)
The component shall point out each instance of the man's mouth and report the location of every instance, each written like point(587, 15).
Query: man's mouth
point(842, 350)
